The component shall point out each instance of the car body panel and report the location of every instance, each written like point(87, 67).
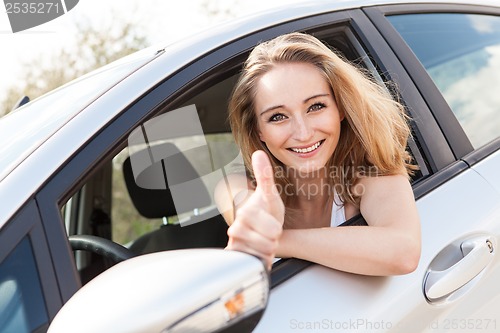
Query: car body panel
point(487, 168)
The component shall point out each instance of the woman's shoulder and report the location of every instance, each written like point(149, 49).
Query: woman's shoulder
point(380, 184)
point(384, 195)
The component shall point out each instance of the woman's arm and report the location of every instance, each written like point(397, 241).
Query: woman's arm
point(390, 245)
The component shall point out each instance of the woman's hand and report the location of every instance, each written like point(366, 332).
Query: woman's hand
point(258, 222)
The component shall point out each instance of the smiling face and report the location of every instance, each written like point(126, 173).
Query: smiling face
point(297, 117)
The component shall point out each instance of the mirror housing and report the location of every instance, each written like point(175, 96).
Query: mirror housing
point(199, 290)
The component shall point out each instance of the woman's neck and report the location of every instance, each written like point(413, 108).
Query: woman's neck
point(311, 189)
point(309, 208)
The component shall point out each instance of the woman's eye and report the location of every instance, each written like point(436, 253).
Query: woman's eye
point(316, 106)
point(277, 117)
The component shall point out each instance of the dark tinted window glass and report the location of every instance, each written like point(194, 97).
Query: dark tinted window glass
point(22, 307)
point(461, 53)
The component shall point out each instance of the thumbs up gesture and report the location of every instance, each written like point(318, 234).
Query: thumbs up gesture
point(258, 222)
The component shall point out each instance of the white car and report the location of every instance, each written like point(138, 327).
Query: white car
point(121, 163)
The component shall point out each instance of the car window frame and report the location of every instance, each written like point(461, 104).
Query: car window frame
point(227, 60)
point(453, 131)
point(27, 224)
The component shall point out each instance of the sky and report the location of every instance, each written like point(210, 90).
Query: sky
point(161, 20)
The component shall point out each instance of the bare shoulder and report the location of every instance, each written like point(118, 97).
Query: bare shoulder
point(386, 199)
point(382, 185)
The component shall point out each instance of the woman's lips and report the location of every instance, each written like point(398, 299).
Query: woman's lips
point(306, 150)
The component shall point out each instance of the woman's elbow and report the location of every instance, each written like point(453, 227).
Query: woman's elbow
point(407, 259)
point(406, 266)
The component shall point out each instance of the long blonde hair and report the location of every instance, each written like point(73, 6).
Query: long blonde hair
point(375, 130)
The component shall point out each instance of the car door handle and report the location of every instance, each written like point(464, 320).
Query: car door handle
point(477, 253)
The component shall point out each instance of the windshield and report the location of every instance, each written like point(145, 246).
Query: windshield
point(26, 128)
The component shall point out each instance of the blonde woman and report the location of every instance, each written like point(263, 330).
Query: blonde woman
point(322, 142)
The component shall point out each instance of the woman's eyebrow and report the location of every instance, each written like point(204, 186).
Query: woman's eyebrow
point(315, 96)
point(272, 108)
point(282, 106)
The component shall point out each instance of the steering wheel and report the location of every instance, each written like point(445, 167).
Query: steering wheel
point(100, 246)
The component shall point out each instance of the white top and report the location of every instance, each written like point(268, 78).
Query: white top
point(338, 212)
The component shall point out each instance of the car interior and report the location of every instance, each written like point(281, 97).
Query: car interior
point(144, 219)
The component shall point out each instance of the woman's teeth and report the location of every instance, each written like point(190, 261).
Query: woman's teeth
point(308, 149)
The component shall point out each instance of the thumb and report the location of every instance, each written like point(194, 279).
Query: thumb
point(263, 172)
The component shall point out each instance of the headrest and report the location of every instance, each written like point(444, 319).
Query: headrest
point(164, 187)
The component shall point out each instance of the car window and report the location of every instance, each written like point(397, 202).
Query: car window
point(22, 306)
point(156, 191)
point(461, 53)
point(56, 108)
point(114, 204)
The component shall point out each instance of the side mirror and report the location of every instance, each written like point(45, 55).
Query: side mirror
point(195, 290)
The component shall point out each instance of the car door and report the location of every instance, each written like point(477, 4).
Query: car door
point(29, 293)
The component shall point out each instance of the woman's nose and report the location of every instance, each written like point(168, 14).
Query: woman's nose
point(302, 129)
